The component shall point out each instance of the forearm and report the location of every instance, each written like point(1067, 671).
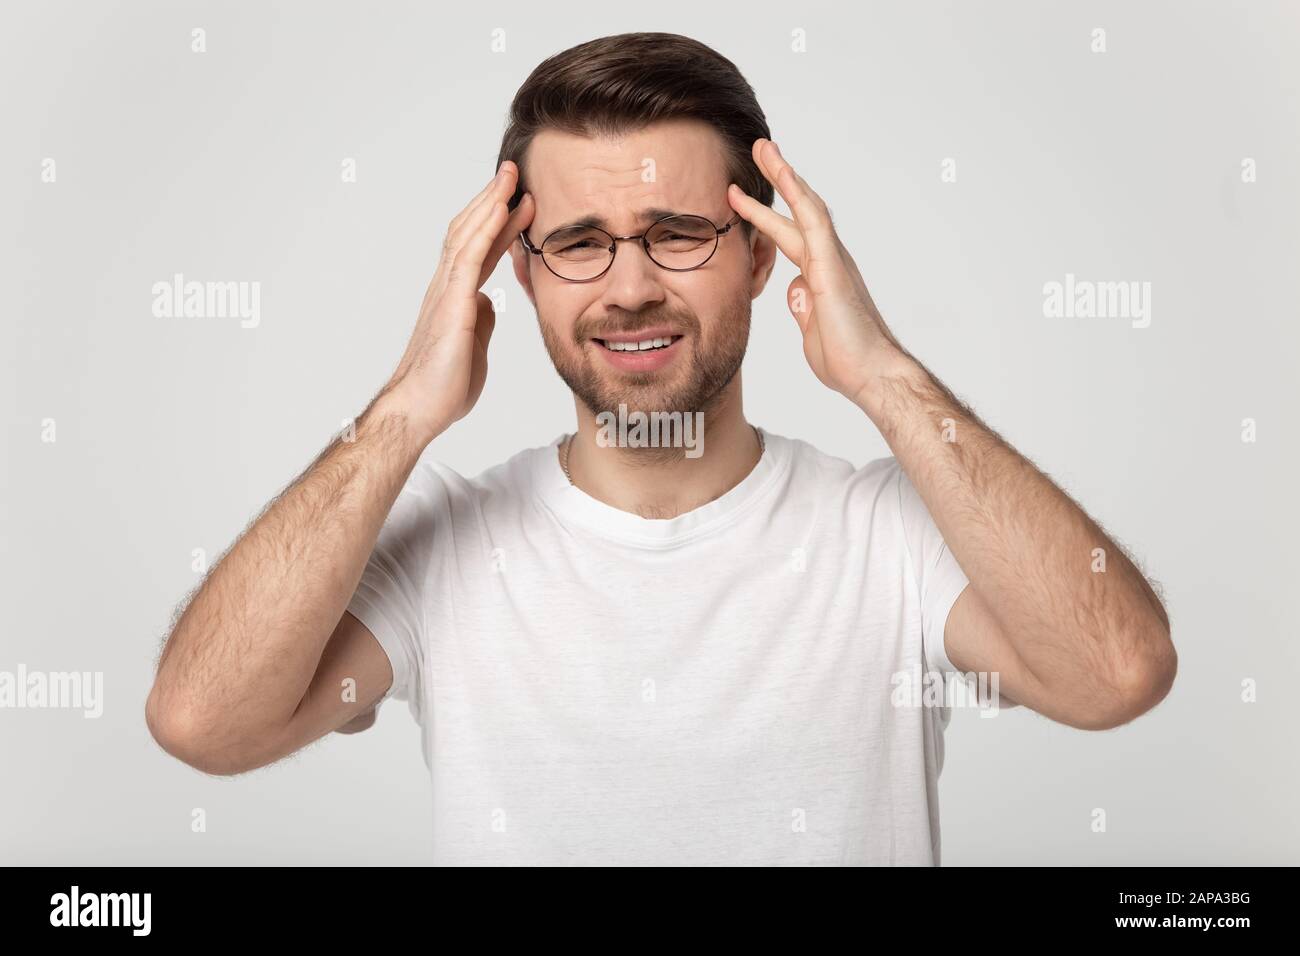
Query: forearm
point(1027, 548)
point(1039, 605)
point(244, 652)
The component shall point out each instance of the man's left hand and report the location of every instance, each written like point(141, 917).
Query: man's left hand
point(845, 340)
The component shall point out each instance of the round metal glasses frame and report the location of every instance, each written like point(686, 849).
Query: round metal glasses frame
point(718, 233)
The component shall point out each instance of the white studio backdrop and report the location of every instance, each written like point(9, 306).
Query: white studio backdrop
point(972, 154)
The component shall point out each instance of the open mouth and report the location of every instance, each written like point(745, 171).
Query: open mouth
point(645, 345)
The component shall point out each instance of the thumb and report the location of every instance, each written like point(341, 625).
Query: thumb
point(486, 322)
point(799, 298)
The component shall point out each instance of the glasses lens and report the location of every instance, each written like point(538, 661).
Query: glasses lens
point(682, 242)
point(578, 253)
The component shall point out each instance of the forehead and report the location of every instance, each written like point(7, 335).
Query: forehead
point(677, 165)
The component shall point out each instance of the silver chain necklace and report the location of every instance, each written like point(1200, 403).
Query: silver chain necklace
point(564, 452)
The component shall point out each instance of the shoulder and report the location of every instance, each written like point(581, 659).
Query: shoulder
point(511, 481)
point(828, 477)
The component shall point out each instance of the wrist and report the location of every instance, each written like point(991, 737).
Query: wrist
point(394, 414)
point(896, 369)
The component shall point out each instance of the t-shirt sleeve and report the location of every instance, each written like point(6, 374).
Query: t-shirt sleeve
point(390, 598)
point(938, 575)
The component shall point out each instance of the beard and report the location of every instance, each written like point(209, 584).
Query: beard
point(694, 382)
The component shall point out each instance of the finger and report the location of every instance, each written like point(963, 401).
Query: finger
point(766, 161)
point(768, 158)
point(810, 212)
point(502, 185)
point(807, 207)
point(803, 187)
point(464, 262)
point(502, 172)
point(472, 204)
point(466, 250)
point(518, 221)
point(771, 223)
point(492, 236)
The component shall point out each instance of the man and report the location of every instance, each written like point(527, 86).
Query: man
point(624, 650)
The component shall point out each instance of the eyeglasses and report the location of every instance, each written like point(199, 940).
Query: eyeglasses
point(584, 253)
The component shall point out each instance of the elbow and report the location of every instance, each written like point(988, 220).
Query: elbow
point(181, 736)
point(1141, 683)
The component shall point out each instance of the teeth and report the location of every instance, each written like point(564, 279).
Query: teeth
point(640, 346)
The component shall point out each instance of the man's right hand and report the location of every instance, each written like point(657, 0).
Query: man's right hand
point(441, 375)
point(253, 667)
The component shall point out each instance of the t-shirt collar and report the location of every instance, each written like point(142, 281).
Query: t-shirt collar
point(572, 504)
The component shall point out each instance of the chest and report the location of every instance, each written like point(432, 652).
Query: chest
point(741, 696)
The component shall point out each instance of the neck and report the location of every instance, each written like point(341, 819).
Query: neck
point(663, 482)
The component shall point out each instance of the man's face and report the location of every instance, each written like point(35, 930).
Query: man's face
point(676, 166)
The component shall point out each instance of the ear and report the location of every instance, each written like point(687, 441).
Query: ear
point(762, 252)
point(521, 259)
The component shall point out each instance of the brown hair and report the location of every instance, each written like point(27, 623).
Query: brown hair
point(617, 84)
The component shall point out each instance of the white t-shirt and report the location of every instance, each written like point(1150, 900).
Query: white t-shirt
point(594, 687)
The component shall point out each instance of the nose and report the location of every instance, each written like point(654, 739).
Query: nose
point(633, 281)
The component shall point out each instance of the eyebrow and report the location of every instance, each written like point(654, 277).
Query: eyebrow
point(644, 215)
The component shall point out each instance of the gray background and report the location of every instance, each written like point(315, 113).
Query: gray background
point(172, 433)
